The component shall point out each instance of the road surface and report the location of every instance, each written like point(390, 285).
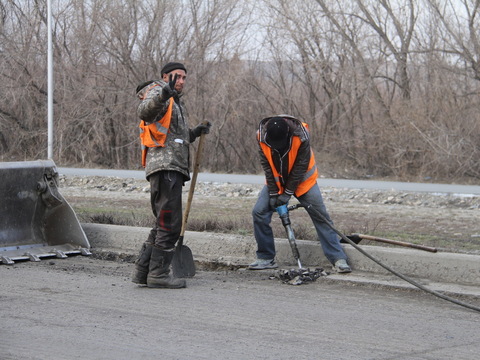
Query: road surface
point(85, 308)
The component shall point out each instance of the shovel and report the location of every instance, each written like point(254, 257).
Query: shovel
point(183, 264)
point(356, 238)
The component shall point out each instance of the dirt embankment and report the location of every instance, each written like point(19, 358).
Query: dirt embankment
point(446, 221)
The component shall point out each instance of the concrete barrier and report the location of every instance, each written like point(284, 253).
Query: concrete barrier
point(439, 267)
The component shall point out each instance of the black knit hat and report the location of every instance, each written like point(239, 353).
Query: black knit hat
point(278, 133)
point(173, 66)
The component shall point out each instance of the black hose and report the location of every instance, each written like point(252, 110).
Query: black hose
point(400, 275)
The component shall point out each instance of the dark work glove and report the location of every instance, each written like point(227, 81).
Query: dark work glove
point(201, 129)
point(282, 200)
point(168, 90)
point(273, 202)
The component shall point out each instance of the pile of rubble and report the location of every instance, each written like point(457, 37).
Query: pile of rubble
point(299, 276)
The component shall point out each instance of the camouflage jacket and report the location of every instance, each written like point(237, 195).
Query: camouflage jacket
point(175, 154)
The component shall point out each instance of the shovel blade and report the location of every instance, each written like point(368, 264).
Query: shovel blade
point(183, 265)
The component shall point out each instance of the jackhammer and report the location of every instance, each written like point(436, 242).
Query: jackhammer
point(285, 218)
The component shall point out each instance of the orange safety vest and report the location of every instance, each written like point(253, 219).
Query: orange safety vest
point(310, 177)
point(155, 134)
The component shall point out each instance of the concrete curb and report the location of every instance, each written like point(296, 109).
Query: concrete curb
point(456, 270)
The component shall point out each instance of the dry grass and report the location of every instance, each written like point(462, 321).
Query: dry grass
point(452, 229)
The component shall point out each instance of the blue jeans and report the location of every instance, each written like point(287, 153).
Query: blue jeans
point(262, 217)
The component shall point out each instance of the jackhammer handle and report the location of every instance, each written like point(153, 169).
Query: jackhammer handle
point(395, 242)
point(282, 210)
point(295, 206)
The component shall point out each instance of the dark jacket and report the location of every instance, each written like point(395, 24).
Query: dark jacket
point(291, 180)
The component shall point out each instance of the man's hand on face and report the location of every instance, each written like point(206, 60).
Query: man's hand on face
point(172, 81)
point(168, 90)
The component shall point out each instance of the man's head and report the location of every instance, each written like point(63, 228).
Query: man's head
point(175, 68)
point(278, 133)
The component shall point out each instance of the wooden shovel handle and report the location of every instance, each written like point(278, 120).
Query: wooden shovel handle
point(395, 242)
point(193, 182)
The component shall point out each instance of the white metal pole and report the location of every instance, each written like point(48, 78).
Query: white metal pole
point(50, 80)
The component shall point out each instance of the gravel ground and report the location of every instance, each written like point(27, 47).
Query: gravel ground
point(446, 221)
point(363, 196)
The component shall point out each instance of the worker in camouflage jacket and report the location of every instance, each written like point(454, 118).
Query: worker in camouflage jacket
point(165, 137)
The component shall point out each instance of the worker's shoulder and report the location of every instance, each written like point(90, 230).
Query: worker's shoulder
point(298, 128)
point(149, 89)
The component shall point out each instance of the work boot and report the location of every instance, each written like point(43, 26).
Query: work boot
point(262, 264)
point(342, 266)
point(142, 264)
point(159, 271)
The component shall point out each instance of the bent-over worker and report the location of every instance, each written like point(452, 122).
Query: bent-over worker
point(290, 170)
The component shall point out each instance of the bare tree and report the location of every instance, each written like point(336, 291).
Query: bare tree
point(395, 27)
point(305, 72)
point(386, 88)
point(24, 90)
point(461, 26)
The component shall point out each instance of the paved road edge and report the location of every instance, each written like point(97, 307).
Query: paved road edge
point(449, 272)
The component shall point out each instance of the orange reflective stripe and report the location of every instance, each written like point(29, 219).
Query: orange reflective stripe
point(268, 154)
point(292, 155)
point(310, 177)
point(155, 134)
